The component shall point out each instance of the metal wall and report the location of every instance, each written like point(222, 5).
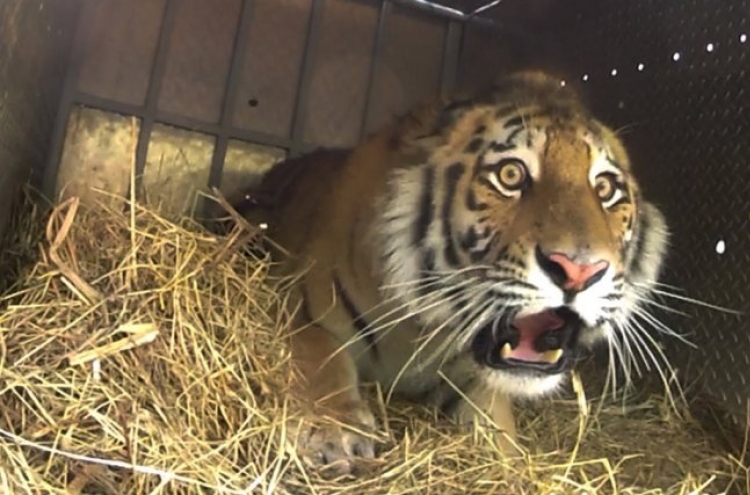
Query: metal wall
point(673, 76)
point(34, 43)
point(194, 96)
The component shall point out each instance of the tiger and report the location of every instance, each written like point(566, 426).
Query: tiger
point(463, 256)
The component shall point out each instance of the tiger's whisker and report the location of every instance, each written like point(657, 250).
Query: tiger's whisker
point(421, 347)
point(694, 301)
point(661, 327)
point(645, 338)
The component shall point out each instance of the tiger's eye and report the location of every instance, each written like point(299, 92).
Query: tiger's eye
point(605, 186)
point(512, 175)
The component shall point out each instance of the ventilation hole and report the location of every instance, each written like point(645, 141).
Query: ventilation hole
point(721, 247)
point(252, 102)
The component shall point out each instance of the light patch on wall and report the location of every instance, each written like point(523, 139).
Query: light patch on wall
point(245, 164)
point(721, 247)
point(97, 154)
point(177, 166)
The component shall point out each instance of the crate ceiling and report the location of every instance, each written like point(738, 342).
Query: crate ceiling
point(498, 13)
point(463, 7)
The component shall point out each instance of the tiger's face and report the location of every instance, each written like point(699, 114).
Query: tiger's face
point(528, 234)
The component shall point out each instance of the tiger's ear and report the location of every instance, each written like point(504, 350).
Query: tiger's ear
point(433, 123)
point(452, 113)
point(430, 126)
point(427, 142)
point(417, 149)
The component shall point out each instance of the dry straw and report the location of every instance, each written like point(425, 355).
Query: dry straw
point(141, 356)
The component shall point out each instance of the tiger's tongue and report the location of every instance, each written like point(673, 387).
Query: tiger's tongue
point(529, 329)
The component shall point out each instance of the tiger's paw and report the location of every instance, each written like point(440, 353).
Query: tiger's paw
point(334, 444)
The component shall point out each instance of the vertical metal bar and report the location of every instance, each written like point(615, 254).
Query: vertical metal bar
point(154, 90)
point(380, 36)
point(451, 56)
point(303, 89)
point(231, 92)
point(57, 140)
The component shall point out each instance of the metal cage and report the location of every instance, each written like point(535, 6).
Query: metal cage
point(671, 76)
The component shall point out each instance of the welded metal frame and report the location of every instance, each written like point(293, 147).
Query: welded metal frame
point(158, 69)
point(454, 13)
point(386, 7)
point(224, 130)
point(231, 93)
point(303, 89)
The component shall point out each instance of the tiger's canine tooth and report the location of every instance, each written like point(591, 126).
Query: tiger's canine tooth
point(552, 356)
point(506, 350)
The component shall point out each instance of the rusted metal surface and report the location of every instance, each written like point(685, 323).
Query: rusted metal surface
point(98, 155)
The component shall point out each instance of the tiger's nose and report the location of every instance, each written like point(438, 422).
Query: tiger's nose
point(568, 274)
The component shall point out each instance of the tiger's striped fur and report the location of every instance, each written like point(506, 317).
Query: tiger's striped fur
point(436, 241)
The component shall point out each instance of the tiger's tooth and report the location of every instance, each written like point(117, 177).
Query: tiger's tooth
point(552, 356)
point(506, 350)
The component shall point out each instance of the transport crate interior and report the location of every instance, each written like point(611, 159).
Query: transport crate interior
point(138, 353)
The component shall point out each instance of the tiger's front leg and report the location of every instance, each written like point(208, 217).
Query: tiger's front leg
point(335, 420)
point(494, 410)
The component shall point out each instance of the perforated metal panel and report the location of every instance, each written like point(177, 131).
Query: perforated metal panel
point(674, 77)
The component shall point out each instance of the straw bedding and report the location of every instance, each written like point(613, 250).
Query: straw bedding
point(139, 355)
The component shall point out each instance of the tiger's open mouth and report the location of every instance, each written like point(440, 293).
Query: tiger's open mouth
point(544, 342)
